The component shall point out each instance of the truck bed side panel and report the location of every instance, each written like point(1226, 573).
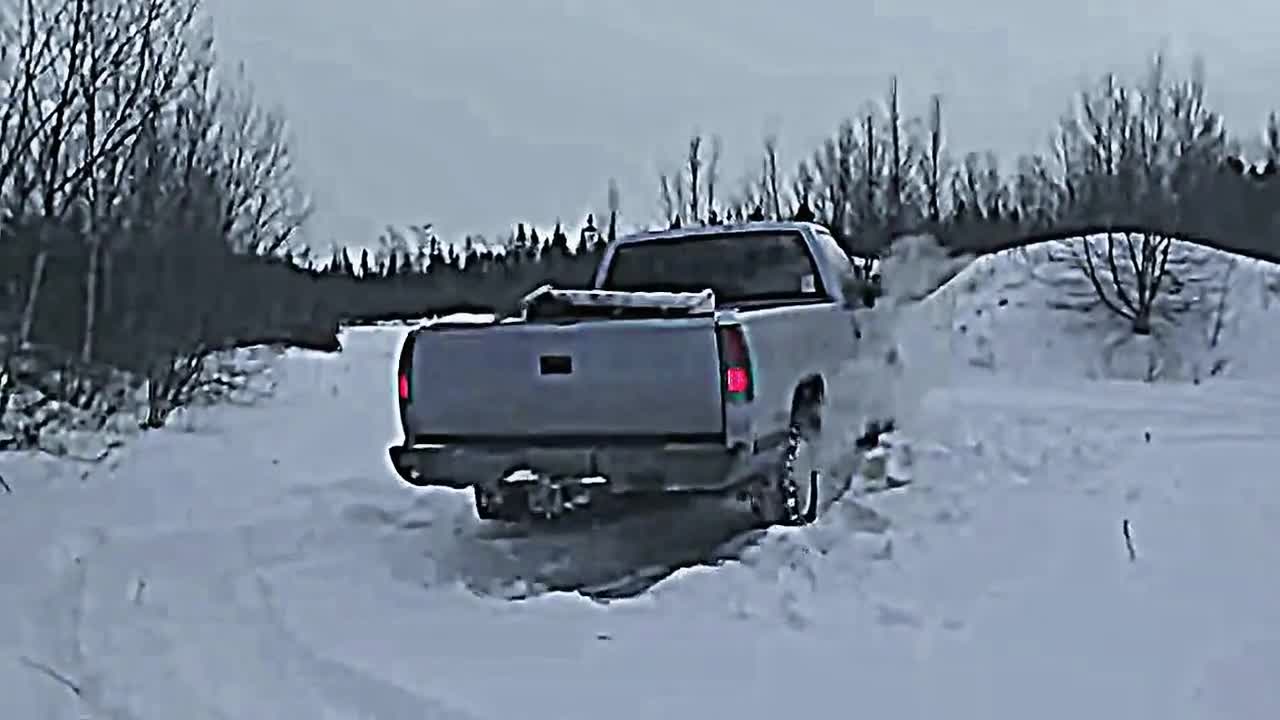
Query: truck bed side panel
point(790, 344)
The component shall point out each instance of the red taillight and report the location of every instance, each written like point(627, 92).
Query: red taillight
point(737, 380)
point(404, 369)
point(735, 363)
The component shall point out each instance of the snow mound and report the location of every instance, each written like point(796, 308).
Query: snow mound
point(1032, 313)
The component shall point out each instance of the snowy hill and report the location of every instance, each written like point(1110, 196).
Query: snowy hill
point(1032, 312)
point(263, 562)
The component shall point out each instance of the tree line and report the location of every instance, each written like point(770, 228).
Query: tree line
point(1146, 156)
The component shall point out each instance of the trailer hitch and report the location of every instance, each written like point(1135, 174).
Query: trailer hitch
point(549, 496)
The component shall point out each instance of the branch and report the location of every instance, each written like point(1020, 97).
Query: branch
point(53, 674)
point(1128, 540)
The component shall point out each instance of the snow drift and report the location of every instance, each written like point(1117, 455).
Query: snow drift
point(1031, 312)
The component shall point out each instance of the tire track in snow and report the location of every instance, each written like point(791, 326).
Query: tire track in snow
point(436, 540)
point(345, 687)
point(206, 639)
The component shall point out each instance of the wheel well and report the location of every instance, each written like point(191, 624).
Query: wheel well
point(811, 391)
point(807, 401)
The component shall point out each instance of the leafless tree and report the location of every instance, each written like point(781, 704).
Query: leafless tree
point(802, 188)
point(671, 208)
point(932, 162)
point(1127, 287)
point(90, 75)
point(615, 206)
point(902, 161)
point(267, 205)
point(977, 189)
point(1036, 194)
point(870, 212)
point(770, 178)
point(1137, 156)
point(712, 177)
point(833, 180)
point(693, 170)
point(1272, 139)
point(137, 57)
point(42, 53)
point(690, 194)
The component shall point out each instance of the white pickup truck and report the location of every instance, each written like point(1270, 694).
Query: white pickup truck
point(702, 360)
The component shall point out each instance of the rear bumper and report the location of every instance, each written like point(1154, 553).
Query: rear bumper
point(660, 467)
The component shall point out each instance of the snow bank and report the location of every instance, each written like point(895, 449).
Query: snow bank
point(1031, 313)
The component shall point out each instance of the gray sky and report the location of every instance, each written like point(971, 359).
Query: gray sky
point(474, 114)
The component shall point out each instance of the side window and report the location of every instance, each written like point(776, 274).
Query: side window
point(834, 257)
point(786, 264)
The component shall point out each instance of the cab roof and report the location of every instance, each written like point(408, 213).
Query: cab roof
point(705, 230)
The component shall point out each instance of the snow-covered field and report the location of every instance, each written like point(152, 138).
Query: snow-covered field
point(263, 562)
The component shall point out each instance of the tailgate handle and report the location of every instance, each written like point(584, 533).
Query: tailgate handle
point(555, 365)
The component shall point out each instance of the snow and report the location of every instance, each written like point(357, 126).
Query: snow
point(262, 560)
point(1023, 313)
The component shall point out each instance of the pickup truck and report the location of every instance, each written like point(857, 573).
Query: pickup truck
point(702, 360)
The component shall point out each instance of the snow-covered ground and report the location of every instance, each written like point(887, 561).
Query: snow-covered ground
point(263, 562)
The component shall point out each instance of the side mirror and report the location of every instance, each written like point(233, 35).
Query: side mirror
point(872, 291)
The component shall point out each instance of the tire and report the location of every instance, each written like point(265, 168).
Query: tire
point(790, 497)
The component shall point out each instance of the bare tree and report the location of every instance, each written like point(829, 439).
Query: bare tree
point(136, 56)
point(833, 178)
point(671, 209)
point(712, 176)
point(693, 169)
point(88, 76)
point(1036, 196)
point(1272, 141)
point(770, 180)
point(42, 54)
point(802, 187)
point(977, 189)
point(1136, 156)
point(267, 205)
point(932, 162)
point(615, 206)
point(1128, 287)
point(896, 160)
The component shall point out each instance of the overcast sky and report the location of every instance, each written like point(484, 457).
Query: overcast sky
point(473, 114)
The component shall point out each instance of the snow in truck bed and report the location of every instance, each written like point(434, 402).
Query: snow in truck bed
point(263, 562)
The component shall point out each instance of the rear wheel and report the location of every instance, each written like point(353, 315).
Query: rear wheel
point(790, 496)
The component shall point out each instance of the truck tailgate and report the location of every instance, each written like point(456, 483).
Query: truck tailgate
point(597, 378)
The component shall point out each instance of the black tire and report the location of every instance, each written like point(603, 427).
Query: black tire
point(790, 496)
